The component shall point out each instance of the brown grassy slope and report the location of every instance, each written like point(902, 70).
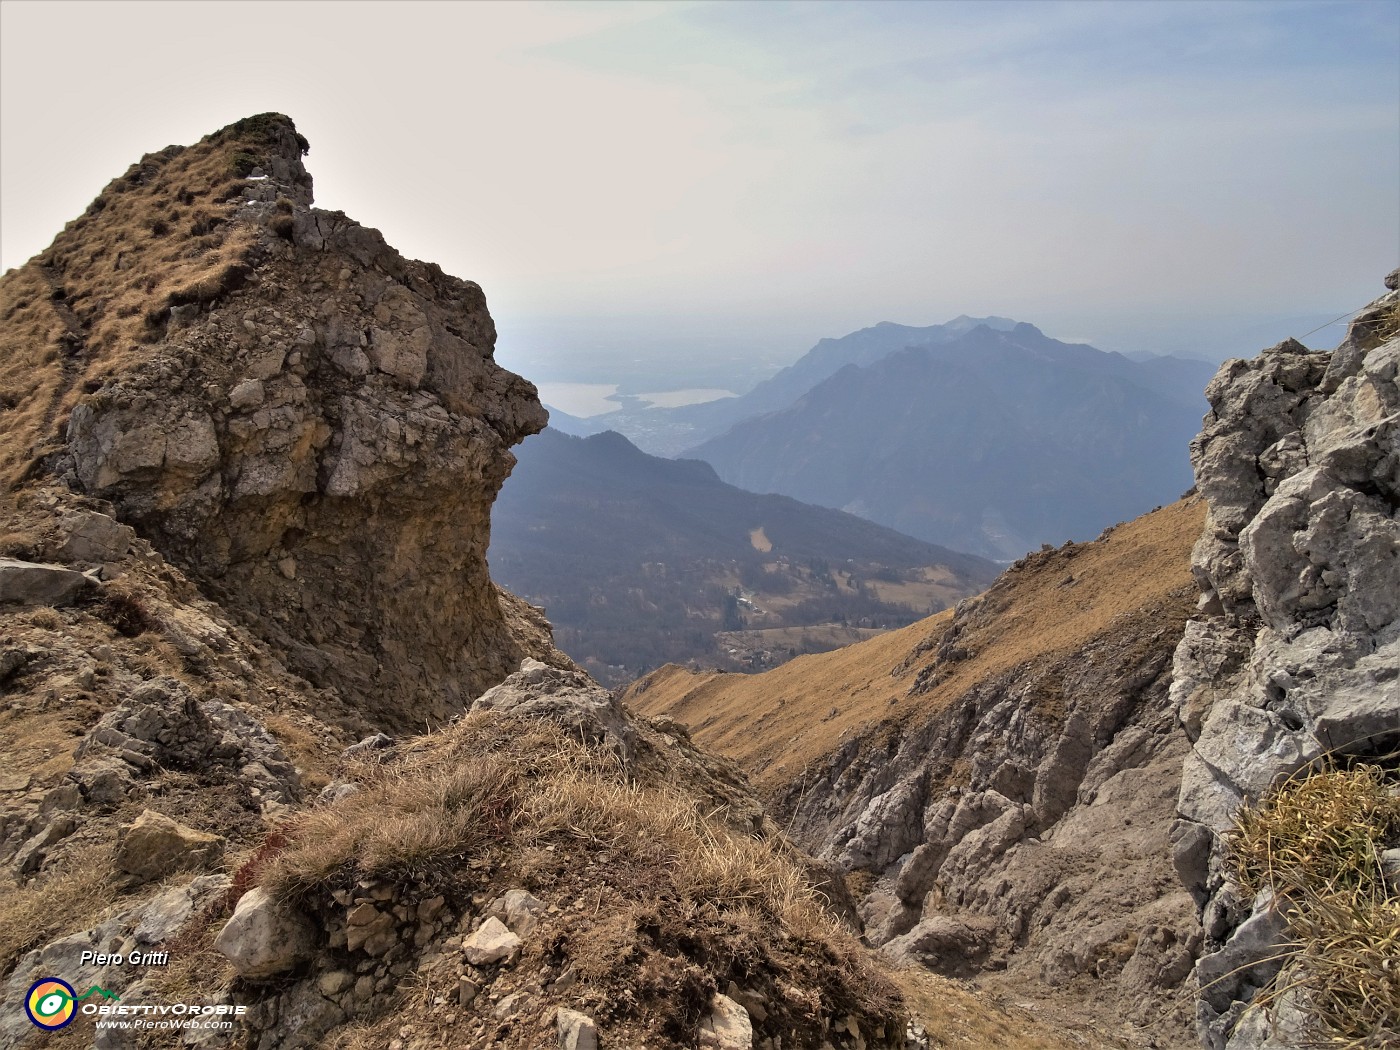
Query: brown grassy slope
point(159, 236)
point(1049, 604)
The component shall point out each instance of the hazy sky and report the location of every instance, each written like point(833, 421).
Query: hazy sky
point(662, 178)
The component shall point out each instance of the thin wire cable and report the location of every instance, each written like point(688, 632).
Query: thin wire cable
point(1330, 323)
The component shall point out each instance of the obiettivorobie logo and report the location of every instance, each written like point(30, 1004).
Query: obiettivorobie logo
point(52, 1003)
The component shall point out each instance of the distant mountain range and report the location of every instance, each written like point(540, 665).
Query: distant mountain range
point(982, 434)
point(670, 432)
point(992, 442)
point(641, 560)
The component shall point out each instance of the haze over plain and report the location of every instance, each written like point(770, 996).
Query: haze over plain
point(695, 193)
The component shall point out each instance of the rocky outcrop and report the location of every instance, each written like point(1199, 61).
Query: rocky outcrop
point(1296, 649)
point(570, 699)
point(319, 443)
point(163, 725)
point(539, 925)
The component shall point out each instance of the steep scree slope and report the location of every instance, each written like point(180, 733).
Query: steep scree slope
point(998, 783)
point(1296, 650)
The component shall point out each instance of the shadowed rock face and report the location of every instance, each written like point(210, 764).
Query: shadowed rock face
point(1296, 647)
point(321, 448)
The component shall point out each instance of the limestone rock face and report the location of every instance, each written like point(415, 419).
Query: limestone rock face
point(320, 448)
point(163, 917)
point(1296, 647)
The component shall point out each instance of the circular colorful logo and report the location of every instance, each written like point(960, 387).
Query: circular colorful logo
point(50, 1003)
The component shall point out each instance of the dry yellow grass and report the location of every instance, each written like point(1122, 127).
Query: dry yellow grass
point(662, 829)
point(69, 898)
point(426, 817)
point(403, 824)
point(90, 304)
point(1329, 826)
point(1316, 843)
point(955, 1017)
point(776, 723)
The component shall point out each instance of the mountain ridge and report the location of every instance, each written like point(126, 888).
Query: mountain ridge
point(671, 432)
point(993, 443)
point(265, 710)
point(641, 560)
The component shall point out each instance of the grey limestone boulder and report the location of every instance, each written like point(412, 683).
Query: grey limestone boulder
point(569, 698)
point(38, 583)
point(265, 938)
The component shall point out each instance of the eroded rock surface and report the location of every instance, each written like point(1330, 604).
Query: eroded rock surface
point(1020, 834)
point(1296, 649)
point(569, 698)
point(321, 448)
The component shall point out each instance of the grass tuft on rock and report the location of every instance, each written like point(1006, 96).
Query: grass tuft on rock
point(661, 888)
point(1316, 842)
point(481, 789)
